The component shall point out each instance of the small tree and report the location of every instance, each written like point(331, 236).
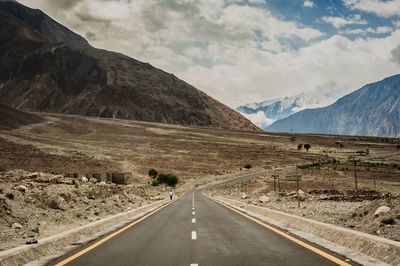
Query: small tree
point(153, 173)
point(168, 179)
point(162, 178)
point(300, 146)
point(293, 139)
point(172, 180)
point(307, 146)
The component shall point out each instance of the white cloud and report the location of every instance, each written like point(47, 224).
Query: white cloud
point(308, 3)
point(259, 118)
point(257, 1)
point(396, 55)
point(339, 22)
point(382, 30)
point(234, 52)
point(253, 76)
point(381, 8)
point(377, 30)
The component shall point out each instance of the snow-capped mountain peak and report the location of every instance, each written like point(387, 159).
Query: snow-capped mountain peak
point(265, 113)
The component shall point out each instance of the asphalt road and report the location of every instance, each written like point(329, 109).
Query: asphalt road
point(198, 232)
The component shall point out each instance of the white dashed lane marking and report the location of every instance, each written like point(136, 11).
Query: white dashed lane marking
point(194, 235)
point(194, 264)
point(193, 221)
point(193, 213)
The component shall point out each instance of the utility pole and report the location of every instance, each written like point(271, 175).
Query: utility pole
point(355, 160)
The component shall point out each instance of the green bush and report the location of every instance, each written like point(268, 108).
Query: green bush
point(307, 146)
point(155, 182)
point(172, 180)
point(247, 166)
point(153, 173)
point(300, 146)
point(168, 179)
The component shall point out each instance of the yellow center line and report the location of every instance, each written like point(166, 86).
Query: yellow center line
point(101, 241)
point(291, 238)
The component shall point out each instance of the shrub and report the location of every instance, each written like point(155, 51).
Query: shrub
point(362, 152)
point(168, 179)
point(162, 178)
point(307, 146)
point(172, 180)
point(247, 166)
point(155, 182)
point(388, 220)
point(153, 173)
point(300, 146)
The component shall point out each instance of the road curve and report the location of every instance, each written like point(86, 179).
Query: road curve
point(193, 231)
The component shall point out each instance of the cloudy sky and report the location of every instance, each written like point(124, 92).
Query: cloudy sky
point(241, 51)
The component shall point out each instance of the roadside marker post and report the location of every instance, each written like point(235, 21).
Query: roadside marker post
point(353, 159)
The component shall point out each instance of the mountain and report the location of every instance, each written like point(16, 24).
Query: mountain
point(265, 113)
point(11, 118)
point(38, 21)
point(373, 110)
point(46, 67)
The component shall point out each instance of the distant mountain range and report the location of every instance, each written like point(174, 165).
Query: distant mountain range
point(373, 110)
point(265, 113)
point(48, 68)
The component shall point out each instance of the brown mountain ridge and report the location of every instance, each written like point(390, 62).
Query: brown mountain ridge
point(47, 68)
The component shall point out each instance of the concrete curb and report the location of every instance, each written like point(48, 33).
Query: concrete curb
point(57, 245)
point(360, 247)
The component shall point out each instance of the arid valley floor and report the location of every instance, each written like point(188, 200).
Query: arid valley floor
point(37, 156)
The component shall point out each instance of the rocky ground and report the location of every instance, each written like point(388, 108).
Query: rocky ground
point(367, 211)
point(198, 156)
point(34, 205)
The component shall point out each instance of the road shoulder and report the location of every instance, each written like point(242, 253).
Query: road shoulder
point(316, 232)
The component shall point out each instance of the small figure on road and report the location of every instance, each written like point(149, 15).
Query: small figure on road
point(170, 195)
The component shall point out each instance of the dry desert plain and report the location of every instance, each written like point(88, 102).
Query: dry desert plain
point(37, 157)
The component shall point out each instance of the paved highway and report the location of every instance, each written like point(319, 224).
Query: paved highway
point(195, 230)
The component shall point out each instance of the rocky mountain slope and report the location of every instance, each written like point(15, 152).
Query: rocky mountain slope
point(373, 110)
point(45, 67)
point(11, 118)
point(265, 113)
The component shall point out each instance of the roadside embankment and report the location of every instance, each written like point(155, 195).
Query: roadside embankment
point(360, 247)
point(57, 245)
